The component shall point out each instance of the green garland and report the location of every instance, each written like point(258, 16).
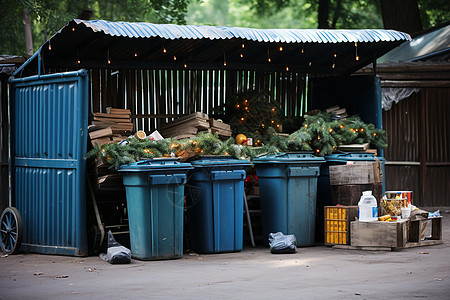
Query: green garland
point(319, 133)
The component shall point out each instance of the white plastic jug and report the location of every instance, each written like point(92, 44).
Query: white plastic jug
point(367, 207)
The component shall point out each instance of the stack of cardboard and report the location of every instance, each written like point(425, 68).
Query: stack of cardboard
point(186, 126)
point(222, 129)
point(111, 126)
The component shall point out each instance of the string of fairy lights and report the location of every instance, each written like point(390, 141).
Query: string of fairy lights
point(241, 55)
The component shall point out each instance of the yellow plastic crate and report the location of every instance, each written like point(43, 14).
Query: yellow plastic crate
point(337, 224)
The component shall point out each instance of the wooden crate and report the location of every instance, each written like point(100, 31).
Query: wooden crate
point(337, 224)
point(358, 173)
point(386, 235)
point(350, 194)
point(416, 232)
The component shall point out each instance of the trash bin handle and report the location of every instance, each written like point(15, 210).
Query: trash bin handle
point(166, 179)
point(302, 171)
point(227, 175)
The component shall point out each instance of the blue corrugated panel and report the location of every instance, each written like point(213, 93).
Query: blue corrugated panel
point(172, 31)
point(49, 139)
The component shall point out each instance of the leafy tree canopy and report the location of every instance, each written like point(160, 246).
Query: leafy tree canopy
point(52, 15)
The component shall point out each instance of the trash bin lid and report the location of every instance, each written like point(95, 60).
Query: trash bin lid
point(156, 164)
point(352, 156)
point(288, 158)
point(219, 161)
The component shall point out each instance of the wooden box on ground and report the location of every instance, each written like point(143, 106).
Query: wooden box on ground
point(337, 224)
point(350, 194)
point(381, 235)
point(417, 230)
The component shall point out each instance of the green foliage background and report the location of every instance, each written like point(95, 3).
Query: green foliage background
point(52, 15)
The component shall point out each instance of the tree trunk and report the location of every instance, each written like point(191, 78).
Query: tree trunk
point(28, 35)
point(402, 15)
point(337, 14)
point(324, 12)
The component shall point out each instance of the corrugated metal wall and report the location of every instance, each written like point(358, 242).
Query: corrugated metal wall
point(4, 151)
point(156, 96)
point(419, 146)
point(49, 142)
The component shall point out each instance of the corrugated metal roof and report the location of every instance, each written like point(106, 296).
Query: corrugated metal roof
point(172, 32)
point(100, 44)
point(433, 42)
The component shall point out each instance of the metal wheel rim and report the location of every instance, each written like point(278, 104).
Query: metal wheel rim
point(10, 230)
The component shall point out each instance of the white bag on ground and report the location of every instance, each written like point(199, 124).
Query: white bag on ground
point(116, 253)
point(280, 243)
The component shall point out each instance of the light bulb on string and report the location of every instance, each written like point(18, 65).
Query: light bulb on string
point(303, 51)
point(224, 60)
point(174, 57)
point(287, 68)
point(242, 55)
point(268, 56)
point(356, 51)
point(243, 45)
point(281, 48)
point(49, 46)
point(109, 61)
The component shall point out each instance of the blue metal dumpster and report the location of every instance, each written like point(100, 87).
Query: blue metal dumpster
point(288, 188)
point(215, 201)
point(155, 204)
point(49, 117)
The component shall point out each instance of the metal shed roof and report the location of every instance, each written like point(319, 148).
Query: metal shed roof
point(101, 43)
point(434, 42)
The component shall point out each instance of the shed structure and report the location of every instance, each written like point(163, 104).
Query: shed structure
point(415, 81)
point(160, 72)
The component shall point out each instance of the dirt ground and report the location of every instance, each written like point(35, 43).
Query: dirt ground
point(317, 272)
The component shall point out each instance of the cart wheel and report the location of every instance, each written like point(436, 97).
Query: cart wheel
point(10, 230)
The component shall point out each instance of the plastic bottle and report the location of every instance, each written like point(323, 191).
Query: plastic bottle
point(367, 207)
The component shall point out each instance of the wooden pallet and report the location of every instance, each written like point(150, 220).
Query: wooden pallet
point(388, 236)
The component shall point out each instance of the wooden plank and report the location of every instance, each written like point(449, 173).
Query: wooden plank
point(182, 89)
point(151, 96)
point(216, 85)
point(358, 173)
point(379, 234)
point(121, 89)
point(145, 100)
point(210, 92)
point(175, 96)
point(105, 132)
point(95, 90)
point(168, 91)
point(103, 90)
point(218, 124)
point(139, 105)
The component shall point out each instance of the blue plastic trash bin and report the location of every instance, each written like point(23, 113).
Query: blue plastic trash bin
point(288, 188)
point(155, 203)
point(323, 185)
point(215, 200)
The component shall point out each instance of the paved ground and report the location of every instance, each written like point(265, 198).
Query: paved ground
point(313, 273)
